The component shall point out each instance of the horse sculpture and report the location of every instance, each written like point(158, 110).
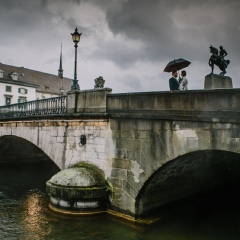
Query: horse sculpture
point(218, 59)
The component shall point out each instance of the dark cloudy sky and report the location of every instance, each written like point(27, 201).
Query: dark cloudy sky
point(128, 42)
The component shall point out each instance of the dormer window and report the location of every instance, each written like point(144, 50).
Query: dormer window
point(1, 73)
point(14, 76)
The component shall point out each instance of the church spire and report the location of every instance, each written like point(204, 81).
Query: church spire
point(60, 70)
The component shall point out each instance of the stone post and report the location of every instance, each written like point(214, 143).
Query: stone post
point(214, 81)
point(88, 101)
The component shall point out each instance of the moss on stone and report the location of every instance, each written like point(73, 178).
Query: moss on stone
point(91, 167)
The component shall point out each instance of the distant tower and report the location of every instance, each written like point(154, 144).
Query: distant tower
point(60, 70)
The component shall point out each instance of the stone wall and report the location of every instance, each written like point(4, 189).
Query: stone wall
point(59, 140)
point(151, 129)
point(143, 147)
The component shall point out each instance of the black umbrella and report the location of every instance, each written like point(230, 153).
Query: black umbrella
point(177, 64)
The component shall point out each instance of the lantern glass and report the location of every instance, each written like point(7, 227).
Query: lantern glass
point(76, 36)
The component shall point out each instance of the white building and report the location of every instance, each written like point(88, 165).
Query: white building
point(19, 84)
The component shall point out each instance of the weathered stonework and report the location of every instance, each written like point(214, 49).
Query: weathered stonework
point(156, 148)
point(60, 140)
point(153, 148)
point(79, 188)
point(88, 101)
point(214, 81)
point(129, 159)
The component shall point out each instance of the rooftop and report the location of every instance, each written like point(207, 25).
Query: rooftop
point(46, 82)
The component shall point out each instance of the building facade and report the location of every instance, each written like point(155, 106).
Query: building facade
point(19, 84)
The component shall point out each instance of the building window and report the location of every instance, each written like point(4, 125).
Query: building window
point(14, 76)
point(21, 100)
point(8, 100)
point(22, 90)
point(8, 88)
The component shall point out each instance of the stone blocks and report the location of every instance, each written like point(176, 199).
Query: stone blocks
point(78, 188)
point(144, 150)
point(88, 101)
point(214, 81)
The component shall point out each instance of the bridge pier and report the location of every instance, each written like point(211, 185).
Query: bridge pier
point(81, 188)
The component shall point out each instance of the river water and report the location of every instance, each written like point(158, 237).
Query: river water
point(24, 214)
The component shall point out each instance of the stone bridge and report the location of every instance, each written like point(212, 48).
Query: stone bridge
point(154, 148)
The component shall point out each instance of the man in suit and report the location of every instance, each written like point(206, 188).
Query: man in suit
point(173, 82)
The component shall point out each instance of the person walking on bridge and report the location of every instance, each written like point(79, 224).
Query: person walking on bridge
point(173, 82)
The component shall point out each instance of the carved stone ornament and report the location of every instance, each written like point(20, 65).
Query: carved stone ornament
point(99, 82)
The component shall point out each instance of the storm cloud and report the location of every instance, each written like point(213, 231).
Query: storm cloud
point(128, 42)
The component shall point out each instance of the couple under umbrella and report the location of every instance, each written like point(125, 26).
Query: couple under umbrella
point(174, 66)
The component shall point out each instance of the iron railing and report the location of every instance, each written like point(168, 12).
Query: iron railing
point(48, 106)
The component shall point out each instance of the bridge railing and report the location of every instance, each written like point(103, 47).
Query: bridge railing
point(48, 106)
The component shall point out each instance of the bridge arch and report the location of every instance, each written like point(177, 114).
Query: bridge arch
point(189, 174)
point(15, 149)
point(46, 135)
point(145, 147)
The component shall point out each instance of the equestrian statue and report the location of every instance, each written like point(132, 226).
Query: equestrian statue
point(217, 58)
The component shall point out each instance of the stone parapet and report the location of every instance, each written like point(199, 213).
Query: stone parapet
point(191, 100)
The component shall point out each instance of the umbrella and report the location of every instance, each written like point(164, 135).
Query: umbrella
point(177, 64)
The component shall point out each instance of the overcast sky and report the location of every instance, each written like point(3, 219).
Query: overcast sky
point(128, 42)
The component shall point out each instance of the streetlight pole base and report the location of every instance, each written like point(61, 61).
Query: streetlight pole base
point(75, 87)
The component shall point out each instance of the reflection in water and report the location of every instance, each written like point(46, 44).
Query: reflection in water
point(23, 202)
point(33, 219)
point(24, 214)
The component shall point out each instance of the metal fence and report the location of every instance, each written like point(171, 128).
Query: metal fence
point(48, 106)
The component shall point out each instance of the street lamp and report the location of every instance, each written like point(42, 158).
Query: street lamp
point(76, 38)
point(62, 90)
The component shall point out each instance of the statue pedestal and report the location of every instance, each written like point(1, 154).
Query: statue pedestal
point(213, 81)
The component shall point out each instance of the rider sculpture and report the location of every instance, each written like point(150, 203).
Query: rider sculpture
point(217, 58)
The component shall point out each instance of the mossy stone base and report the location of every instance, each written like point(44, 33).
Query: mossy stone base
point(78, 188)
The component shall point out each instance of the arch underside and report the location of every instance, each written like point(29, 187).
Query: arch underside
point(190, 174)
point(15, 149)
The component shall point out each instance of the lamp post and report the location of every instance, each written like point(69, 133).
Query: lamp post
point(76, 38)
point(62, 90)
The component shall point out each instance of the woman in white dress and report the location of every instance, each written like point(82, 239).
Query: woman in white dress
point(183, 82)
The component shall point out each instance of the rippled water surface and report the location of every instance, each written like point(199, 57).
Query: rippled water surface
point(24, 214)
